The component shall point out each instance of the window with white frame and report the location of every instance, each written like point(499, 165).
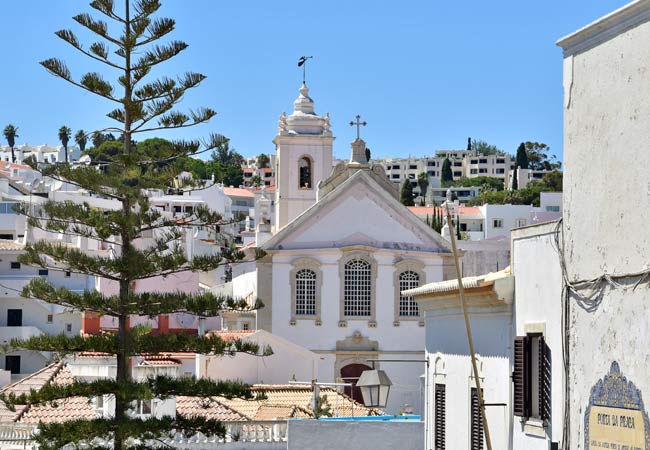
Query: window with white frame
point(407, 306)
point(357, 291)
point(305, 292)
point(520, 222)
point(497, 223)
point(143, 407)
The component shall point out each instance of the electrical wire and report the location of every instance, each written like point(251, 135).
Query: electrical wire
point(588, 294)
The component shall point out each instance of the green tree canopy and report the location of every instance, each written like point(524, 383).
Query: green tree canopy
point(521, 159)
point(423, 183)
point(486, 183)
point(263, 160)
point(81, 140)
point(446, 175)
point(482, 148)
point(406, 194)
point(539, 157)
point(65, 133)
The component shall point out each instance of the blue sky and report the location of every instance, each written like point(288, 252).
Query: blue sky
point(424, 74)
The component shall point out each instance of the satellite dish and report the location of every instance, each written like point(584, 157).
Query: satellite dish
point(56, 185)
point(85, 159)
point(36, 184)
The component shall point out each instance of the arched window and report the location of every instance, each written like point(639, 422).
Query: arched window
point(407, 306)
point(357, 288)
point(305, 293)
point(304, 167)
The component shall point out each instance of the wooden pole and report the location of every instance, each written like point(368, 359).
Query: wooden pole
point(461, 294)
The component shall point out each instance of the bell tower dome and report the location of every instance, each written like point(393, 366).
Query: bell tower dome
point(303, 148)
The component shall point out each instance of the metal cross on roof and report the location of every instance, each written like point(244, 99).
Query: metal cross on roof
point(359, 124)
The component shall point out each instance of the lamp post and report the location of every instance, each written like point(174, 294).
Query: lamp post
point(375, 386)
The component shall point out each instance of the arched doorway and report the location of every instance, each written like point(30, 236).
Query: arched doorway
point(351, 374)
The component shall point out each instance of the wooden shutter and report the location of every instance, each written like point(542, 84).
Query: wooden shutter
point(439, 417)
point(521, 377)
point(544, 380)
point(476, 437)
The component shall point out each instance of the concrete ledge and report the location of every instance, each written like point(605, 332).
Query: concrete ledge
point(355, 435)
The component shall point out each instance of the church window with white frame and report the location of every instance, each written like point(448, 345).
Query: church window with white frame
point(357, 291)
point(305, 292)
point(407, 306)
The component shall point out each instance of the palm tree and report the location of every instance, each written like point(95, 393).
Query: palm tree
point(11, 133)
point(81, 139)
point(64, 137)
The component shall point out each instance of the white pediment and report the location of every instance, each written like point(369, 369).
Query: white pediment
point(358, 212)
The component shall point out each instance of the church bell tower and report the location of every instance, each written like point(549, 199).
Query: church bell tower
point(303, 148)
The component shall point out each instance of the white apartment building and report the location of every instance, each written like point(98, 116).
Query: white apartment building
point(496, 221)
point(42, 153)
point(464, 163)
point(266, 174)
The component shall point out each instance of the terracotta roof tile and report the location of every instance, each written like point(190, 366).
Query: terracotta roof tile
point(280, 402)
point(228, 335)
point(9, 245)
point(237, 192)
point(210, 409)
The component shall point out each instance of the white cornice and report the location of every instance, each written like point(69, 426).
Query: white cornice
point(606, 28)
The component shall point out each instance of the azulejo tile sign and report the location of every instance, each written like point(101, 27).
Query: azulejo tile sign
point(615, 418)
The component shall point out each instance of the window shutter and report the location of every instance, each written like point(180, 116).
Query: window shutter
point(544, 380)
point(520, 377)
point(439, 417)
point(476, 437)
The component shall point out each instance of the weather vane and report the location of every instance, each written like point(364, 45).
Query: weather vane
point(359, 124)
point(302, 62)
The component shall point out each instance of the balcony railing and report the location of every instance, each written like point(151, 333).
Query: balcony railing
point(265, 435)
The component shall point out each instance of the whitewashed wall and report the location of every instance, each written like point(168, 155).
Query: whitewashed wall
point(606, 198)
point(538, 302)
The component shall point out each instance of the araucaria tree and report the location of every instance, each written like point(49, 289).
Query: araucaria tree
point(11, 133)
point(146, 242)
point(64, 137)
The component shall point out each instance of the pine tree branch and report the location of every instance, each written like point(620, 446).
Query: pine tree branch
point(54, 436)
point(160, 387)
point(98, 27)
point(90, 84)
point(206, 304)
point(139, 343)
point(100, 52)
point(107, 8)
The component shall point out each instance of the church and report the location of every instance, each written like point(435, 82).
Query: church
point(342, 249)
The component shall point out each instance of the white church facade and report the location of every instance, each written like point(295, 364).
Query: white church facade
point(343, 249)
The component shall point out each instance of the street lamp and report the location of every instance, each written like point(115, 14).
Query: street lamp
point(374, 385)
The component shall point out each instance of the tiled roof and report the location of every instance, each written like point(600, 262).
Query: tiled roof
point(34, 381)
point(9, 245)
point(278, 402)
point(452, 285)
point(233, 335)
point(237, 192)
point(210, 409)
point(160, 361)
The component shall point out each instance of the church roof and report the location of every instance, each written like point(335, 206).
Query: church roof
point(359, 184)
